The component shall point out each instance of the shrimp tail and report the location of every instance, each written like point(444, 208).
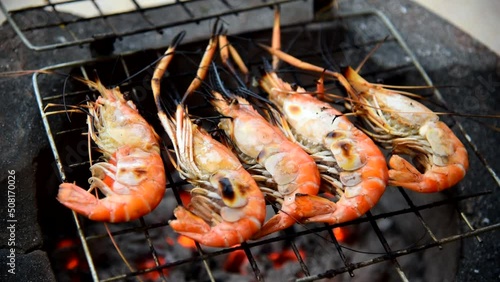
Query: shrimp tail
point(404, 174)
point(276, 223)
point(187, 222)
point(224, 234)
point(83, 202)
point(311, 206)
point(444, 168)
point(318, 209)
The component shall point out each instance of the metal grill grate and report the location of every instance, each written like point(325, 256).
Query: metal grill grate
point(102, 22)
point(349, 37)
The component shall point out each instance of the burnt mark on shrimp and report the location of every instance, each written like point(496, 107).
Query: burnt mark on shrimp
point(346, 148)
point(227, 190)
point(294, 109)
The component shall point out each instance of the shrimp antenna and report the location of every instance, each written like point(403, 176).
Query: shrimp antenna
point(217, 29)
point(26, 72)
point(326, 52)
point(64, 96)
point(83, 109)
point(217, 82)
point(174, 43)
point(173, 98)
point(266, 68)
point(96, 75)
point(372, 51)
point(248, 92)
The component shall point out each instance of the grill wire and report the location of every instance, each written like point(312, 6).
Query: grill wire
point(142, 17)
point(349, 47)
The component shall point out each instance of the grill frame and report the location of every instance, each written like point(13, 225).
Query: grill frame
point(348, 267)
point(157, 27)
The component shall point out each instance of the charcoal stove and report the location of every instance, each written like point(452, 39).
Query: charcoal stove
point(349, 37)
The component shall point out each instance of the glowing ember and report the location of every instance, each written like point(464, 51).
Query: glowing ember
point(236, 262)
point(170, 241)
point(340, 233)
point(279, 259)
point(186, 242)
point(67, 246)
point(185, 197)
point(66, 243)
point(72, 263)
point(153, 275)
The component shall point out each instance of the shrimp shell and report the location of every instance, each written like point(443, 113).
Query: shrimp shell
point(291, 168)
point(227, 206)
point(133, 176)
point(410, 128)
point(236, 210)
point(348, 160)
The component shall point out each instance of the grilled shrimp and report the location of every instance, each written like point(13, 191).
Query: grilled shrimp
point(412, 129)
point(293, 171)
point(227, 207)
point(133, 176)
point(407, 126)
point(348, 160)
